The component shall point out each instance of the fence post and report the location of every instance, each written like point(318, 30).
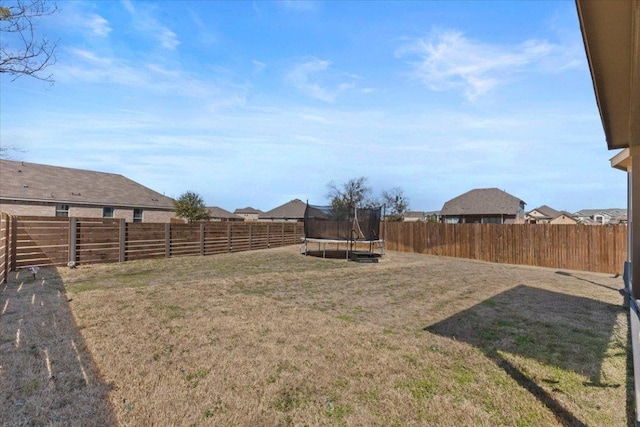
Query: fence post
point(167, 240)
point(73, 236)
point(202, 238)
point(122, 239)
point(13, 231)
point(250, 236)
point(7, 249)
point(229, 235)
point(295, 233)
point(268, 236)
point(283, 234)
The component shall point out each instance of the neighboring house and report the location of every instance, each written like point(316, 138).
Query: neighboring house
point(219, 214)
point(484, 205)
point(414, 216)
point(546, 215)
point(564, 218)
point(421, 216)
point(43, 190)
point(292, 211)
point(599, 216)
point(542, 215)
point(622, 219)
point(248, 213)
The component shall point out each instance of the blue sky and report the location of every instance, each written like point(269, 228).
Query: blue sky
point(258, 103)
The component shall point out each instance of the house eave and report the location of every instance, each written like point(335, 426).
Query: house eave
point(611, 35)
point(622, 160)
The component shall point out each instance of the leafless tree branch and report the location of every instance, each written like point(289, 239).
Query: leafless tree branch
point(22, 53)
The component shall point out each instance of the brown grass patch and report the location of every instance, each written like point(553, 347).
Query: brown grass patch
point(272, 337)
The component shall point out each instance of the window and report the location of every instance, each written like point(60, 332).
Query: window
point(62, 210)
point(492, 220)
point(137, 215)
point(107, 212)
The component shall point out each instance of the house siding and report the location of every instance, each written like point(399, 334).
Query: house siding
point(563, 219)
point(156, 216)
point(25, 209)
point(49, 209)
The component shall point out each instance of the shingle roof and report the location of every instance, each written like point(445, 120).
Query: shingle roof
point(482, 201)
point(546, 211)
point(216, 212)
point(612, 212)
point(35, 182)
point(290, 210)
point(414, 214)
point(247, 210)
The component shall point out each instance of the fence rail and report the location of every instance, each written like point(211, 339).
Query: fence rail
point(573, 247)
point(42, 241)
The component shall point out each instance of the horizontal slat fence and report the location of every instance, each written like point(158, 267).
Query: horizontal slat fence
point(40, 241)
point(6, 253)
point(573, 247)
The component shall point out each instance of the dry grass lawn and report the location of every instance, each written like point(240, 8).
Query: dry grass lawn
point(274, 338)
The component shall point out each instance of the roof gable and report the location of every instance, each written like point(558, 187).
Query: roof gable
point(44, 183)
point(247, 210)
point(292, 210)
point(483, 201)
point(216, 212)
point(547, 211)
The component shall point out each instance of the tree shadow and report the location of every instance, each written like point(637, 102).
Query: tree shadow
point(48, 376)
point(559, 330)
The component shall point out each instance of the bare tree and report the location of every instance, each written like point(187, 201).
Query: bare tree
point(396, 202)
point(354, 193)
point(22, 52)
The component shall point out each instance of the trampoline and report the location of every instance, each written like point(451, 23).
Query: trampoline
point(348, 226)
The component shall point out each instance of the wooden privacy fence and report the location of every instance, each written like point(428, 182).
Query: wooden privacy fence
point(573, 247)
point(41, 241)
point(5, 248)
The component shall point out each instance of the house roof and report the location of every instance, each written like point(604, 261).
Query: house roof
point(611, 212)
point(216, 212)
point(483, 201)
point(414, 214)
point(247, 210)
point(290, 210)
point(546, 211)
point(24, 181)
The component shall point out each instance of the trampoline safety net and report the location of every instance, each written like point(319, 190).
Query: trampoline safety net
point(340, 223)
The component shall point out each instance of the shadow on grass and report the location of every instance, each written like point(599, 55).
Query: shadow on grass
point(47, 375)
point(564, 331)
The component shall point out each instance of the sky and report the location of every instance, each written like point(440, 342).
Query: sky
point(259, 103)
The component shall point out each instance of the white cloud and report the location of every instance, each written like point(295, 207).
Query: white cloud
point(98, 25)
point(258, 66)
point(313, 78)
point(298, 5)
point(91, 67)
point(450, 61)
point(145, 23)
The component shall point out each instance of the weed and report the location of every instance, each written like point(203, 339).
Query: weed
point(194, 377)
point(489, 302)
point(420, 389)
